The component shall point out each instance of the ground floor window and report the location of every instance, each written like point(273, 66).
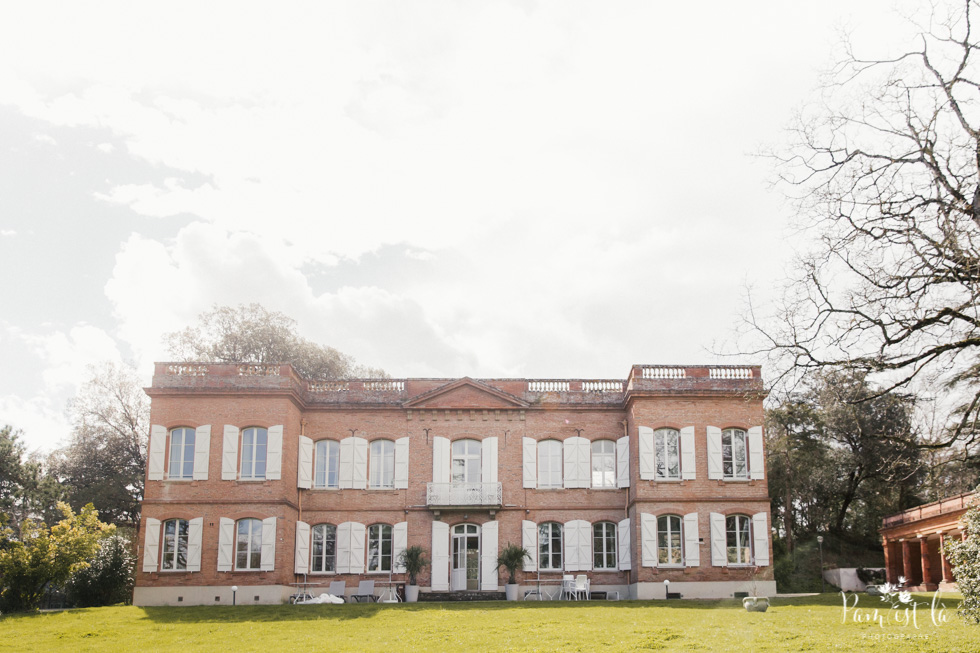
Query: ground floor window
point(379, 548)
point(604, 545)
point(739, 541)
point(248, 548)
point(549, 545)
point(324, 548)
point(175, 533)
point(669, 540)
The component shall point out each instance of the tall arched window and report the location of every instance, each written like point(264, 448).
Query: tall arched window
point(734, 454)
point(255, 442)
point(604, 545)
point(549, 545)
point(466, 461)
point(379, 547)
point(326, 473)
point(549, 463)
point(175, 532)
point(181, 454)
point(382, 467)
point(324, 554)
point(603, 463)
point(738, 540)
point(667, 446)
point(248, 545)
point(669, 540)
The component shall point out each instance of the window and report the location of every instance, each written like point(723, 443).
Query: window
point(734, 455)
point(327, 464)
point(324, 548)
point(549, 463)
point(466, 461)
point(549, 544)
point(604, 545)
point(603, 463)
point(738, 540)
point(382, 464)
point(175, 533)
point(254, 444)
point(379, 547)
point(248, 548)
point(667, 447)
point(181, 453)
point(669, 540)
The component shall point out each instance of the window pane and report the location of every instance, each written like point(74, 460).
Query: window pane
point(333, 468)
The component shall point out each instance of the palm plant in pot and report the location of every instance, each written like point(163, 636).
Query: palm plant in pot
point(413, 559)
point(512, 558)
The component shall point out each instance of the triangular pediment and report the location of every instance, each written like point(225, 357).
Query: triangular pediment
point(466, 393)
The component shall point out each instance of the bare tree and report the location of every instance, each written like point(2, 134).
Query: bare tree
point(884, 172)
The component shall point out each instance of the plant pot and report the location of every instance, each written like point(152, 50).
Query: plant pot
point(513, 591)
point(411, 593)
point(755, 603)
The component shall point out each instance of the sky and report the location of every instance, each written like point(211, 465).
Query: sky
point(439, 189)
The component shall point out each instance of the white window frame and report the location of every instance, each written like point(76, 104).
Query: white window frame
point(377, 536)
point(737, 521)
point(253, 558)
point(547, 553)
point(326, 459)
point(174, 541)
point(662, 441)
point(381, 465)
point(182, 458)
point(668, 527)
point(471, 456)
point(549, 453)
point(737, 442)
point(598, 457)
point(604, 545)
point(254, 448)
point(322, 559)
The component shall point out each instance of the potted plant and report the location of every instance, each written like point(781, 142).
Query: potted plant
point(414, 561)
point(755, 603)
point(512, 558)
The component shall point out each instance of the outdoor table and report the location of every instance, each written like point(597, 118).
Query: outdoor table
point(302, 593)
point(389, 589)
point(551, 594)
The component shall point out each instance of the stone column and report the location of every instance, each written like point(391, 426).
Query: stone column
point(906, 561)
point(947, 568)
point(924, 556)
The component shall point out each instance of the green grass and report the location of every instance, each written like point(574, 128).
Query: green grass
point(802, 624)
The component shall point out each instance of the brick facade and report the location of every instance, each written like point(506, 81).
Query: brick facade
point(508, 418)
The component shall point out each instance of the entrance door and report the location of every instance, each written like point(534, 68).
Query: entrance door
point(466, 558)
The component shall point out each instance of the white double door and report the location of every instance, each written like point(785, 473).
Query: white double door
point(465, 559)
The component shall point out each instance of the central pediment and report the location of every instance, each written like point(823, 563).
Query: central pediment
point(466, 393)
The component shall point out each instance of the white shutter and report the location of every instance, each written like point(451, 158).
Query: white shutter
point(714, 452)
point(229, 454)
point(357, 532)
point(489, 463)
point(719, 551)
point(226, 543)
point(440, 556)
point(399, 542)
point(346, 463)
point(268, 544)
point(648, 539)
point(343, 548)
point(440, 460)
point(488, 557)
point(692, 545)
point(360, 463)
point(195, 528)
point(157, 452)
point(401, 463)
point(688, 470)
point(583, 462)
point(530, 463)
point(302, 555)
point(623, 461)
point(570, 466)
point(648, 465)
point(529, 540)
point(304, 464)
point(760, 539)
point(585, 545)
point(623, 539)
point(757, 461)
point(202, 452)
point(570, 540)
point(273, 454)
point(151, 544)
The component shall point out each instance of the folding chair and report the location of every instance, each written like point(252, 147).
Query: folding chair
point(365, 593)
point(338, 588)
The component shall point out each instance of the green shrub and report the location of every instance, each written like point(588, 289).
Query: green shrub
point(109, 577)
point(965, 558)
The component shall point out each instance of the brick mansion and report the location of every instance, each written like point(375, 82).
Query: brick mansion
point(258, 478)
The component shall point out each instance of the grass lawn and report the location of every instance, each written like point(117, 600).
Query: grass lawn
point(800, 624)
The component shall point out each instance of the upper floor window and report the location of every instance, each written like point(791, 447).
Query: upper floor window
point(181, 454)
point(466, 461)
point(327, 464)
point(734, 454)
point(549, 464)
point(324, 556)
point(248, 544)
point(175, 537)
point(255, 442)
point(667, 449)
point(379, 547)
point(604, 545)
point(738, 540)
point(669, 540)
point(382, 465)
point(604, 464)
point(549, 545)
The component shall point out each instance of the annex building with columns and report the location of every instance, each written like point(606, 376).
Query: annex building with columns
point(258, 478)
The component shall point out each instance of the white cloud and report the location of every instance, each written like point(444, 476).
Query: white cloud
point(44, 425)
point(67, 356)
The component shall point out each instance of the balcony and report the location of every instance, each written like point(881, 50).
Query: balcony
point(464, 495)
